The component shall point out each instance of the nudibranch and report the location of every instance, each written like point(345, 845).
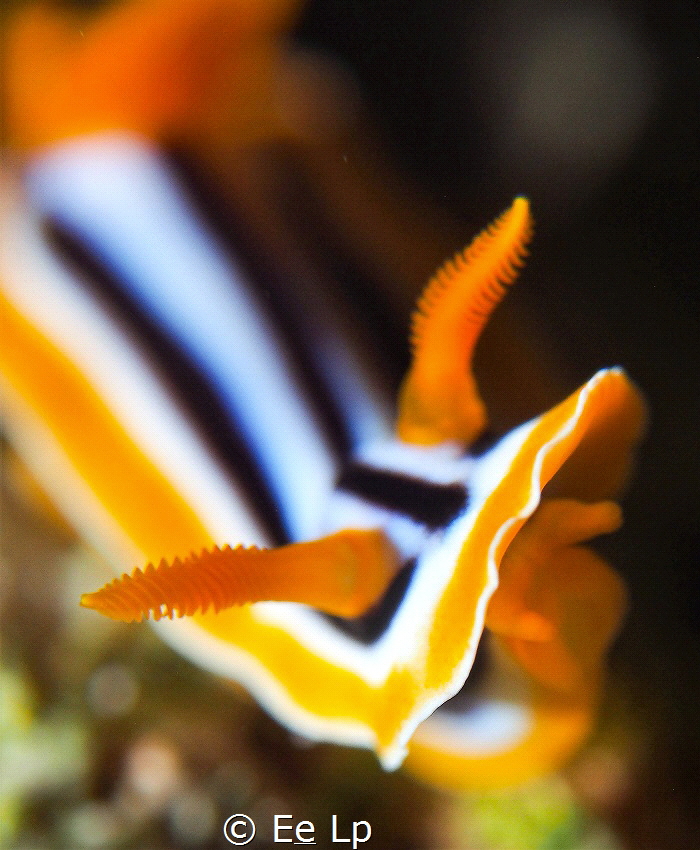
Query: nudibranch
point(415, 521)
point(372, 580)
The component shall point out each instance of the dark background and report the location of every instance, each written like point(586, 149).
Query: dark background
point(591, 109)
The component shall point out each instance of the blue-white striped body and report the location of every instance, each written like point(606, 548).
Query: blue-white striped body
point(277, 411)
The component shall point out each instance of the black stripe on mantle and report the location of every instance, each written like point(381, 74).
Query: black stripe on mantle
point(426, 502)
point(184, 379)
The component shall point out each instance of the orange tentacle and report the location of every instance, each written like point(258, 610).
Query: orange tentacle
point(343, 574)
point(439, 400)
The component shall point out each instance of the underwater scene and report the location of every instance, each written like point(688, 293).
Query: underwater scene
point(349, 412)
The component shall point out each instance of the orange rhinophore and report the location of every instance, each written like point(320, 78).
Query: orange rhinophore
point(439, 399)
point(343, 575)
